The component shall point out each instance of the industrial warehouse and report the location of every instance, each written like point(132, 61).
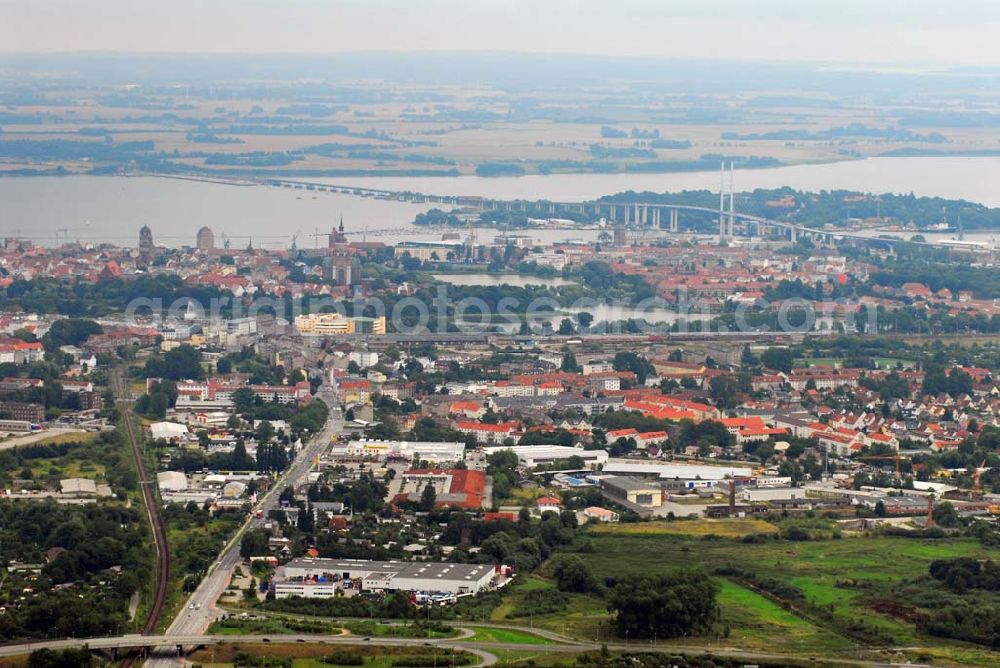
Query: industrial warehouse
point(322, 578)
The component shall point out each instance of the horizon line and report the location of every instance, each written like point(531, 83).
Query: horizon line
point(862, 66)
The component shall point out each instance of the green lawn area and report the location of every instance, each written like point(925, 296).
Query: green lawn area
point(247, 626)
point(581, 617)
point(533, 658)
point(496, 634)
point(402, 630)
point(87, 461)
point(308, 655)
point(754, 621)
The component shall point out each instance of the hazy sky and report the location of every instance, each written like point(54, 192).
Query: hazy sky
point(848, 31)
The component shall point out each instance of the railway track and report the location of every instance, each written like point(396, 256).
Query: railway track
point(149, 627)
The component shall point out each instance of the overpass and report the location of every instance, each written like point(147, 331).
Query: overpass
point(179, 645)
point(487, 651)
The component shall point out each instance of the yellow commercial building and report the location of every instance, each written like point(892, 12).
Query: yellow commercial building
point(334, 324)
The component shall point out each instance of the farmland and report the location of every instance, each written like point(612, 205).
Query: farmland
point(341, 126)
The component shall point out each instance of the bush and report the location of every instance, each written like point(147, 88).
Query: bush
point(573, 575)
point(67, 658)
point(344, 658)
point(796, 533)
point(540, 602)
point(755, 538)
point(248, 660)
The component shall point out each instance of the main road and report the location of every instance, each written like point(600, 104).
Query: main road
point(487, 651)
point(200, 610)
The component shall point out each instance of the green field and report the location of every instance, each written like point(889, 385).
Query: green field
point(842, 576)
point(845, 585)
point(582, 616)
point(378, 629)
point(86, 461)
point(253, 626)
point(754, 621)
point(497, 634)
point(307, 655)
point(724, 528)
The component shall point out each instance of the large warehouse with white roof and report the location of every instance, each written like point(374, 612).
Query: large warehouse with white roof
point(313, 578)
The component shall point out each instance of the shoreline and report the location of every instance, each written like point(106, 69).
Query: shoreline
point(249, 178)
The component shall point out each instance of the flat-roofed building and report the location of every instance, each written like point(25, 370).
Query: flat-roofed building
point(759, 494)
point(168, 431)
point(635, 491)
point(533, 456)
point(600, 514)
point(428, 451)
point(14, 425)
point(21, 410)
point(318, 577)
point(172, 481)
point(428, 250)
point(678, 471)
point(335, 324)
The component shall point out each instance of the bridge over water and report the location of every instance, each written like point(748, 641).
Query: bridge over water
point(632, 216)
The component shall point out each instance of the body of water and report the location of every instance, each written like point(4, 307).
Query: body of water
point(517, 280)
point(973, 179)
point(991, 237)
point(114, 208)
point(94, 208)
point(606, 316)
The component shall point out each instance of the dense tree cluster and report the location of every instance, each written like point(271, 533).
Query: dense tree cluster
point(69, 332)
point(963, 573)
point(671, 605)
point(573, 575)
point(182, 362)
point(637, 364)
point(161, 396)
point(523, 544)
point(953, 382)
point(312, 417)
point(49, 295)
point(108, 449)
point(105, 556)
point(502, 466)
point(366, 494)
